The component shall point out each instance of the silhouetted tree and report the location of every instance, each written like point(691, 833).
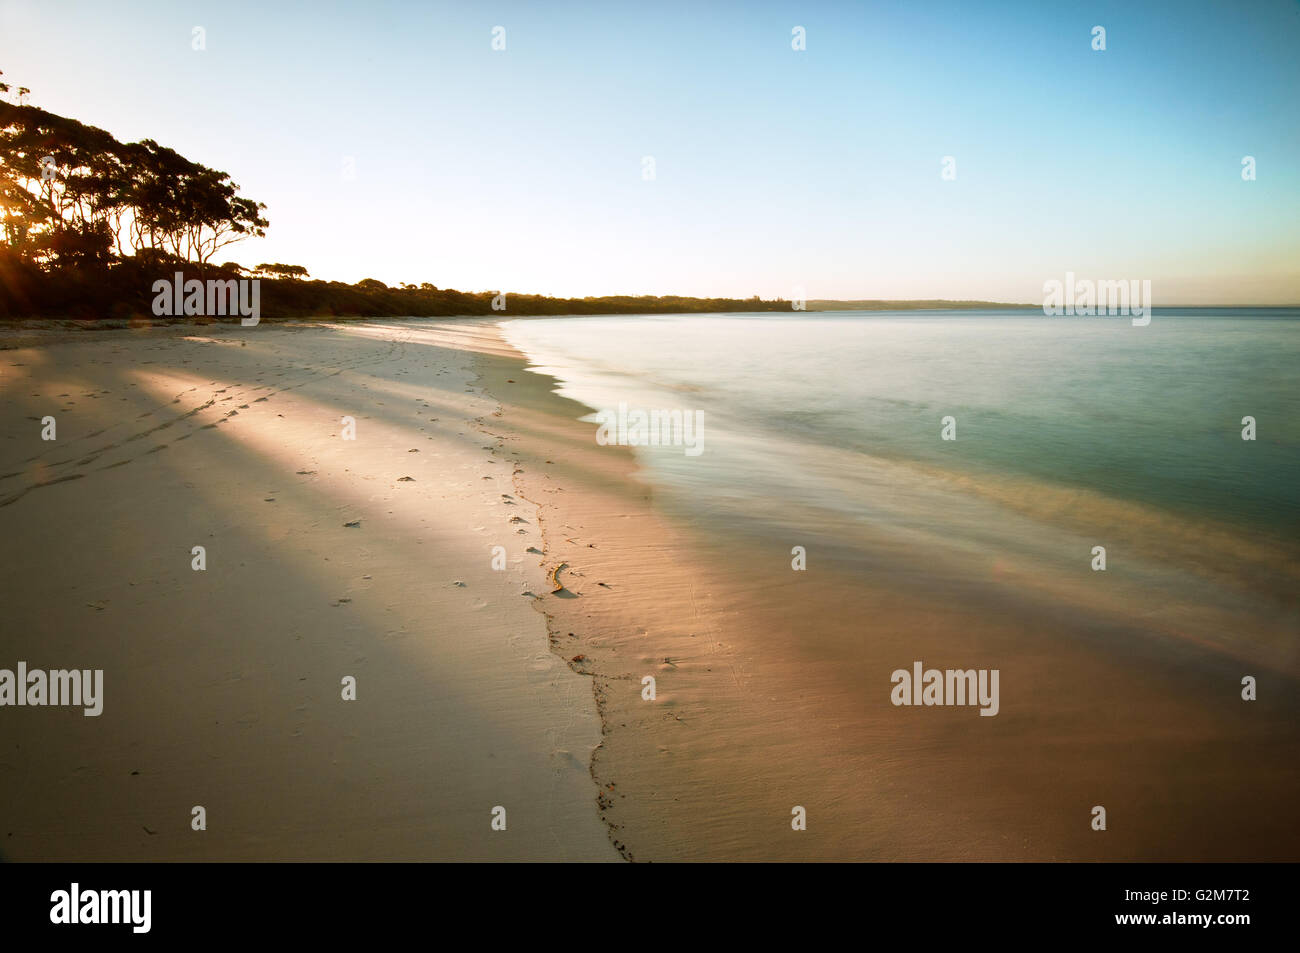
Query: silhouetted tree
point(282, 271)
point(71, 194)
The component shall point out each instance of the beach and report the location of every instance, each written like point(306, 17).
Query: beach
point(223, 687)
point(648, 677)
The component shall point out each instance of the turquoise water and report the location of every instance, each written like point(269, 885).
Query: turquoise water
point(794, 407)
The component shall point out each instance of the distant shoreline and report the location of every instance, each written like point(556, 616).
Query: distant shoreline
point(827, 306)
point(18, 332)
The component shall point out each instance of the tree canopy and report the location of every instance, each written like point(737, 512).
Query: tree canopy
point(282, 271)
point(73, 195)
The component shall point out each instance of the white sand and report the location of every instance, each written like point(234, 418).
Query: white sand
point(222, 687)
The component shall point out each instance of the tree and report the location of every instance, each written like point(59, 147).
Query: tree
point(71, 194)
point(282, 271)
point(186, 208)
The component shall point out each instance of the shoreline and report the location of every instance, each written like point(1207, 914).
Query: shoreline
point(776, 692)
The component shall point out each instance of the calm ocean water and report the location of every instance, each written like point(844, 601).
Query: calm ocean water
point(795, 408)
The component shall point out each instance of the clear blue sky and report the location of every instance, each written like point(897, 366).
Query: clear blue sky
point(522, 169)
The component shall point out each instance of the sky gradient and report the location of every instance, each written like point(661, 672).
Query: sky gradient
point(774, 169)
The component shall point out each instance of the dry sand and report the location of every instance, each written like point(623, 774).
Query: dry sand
point(223, 687)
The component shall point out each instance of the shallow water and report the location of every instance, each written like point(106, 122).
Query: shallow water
point(1070, 433)
point(1148, 414)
